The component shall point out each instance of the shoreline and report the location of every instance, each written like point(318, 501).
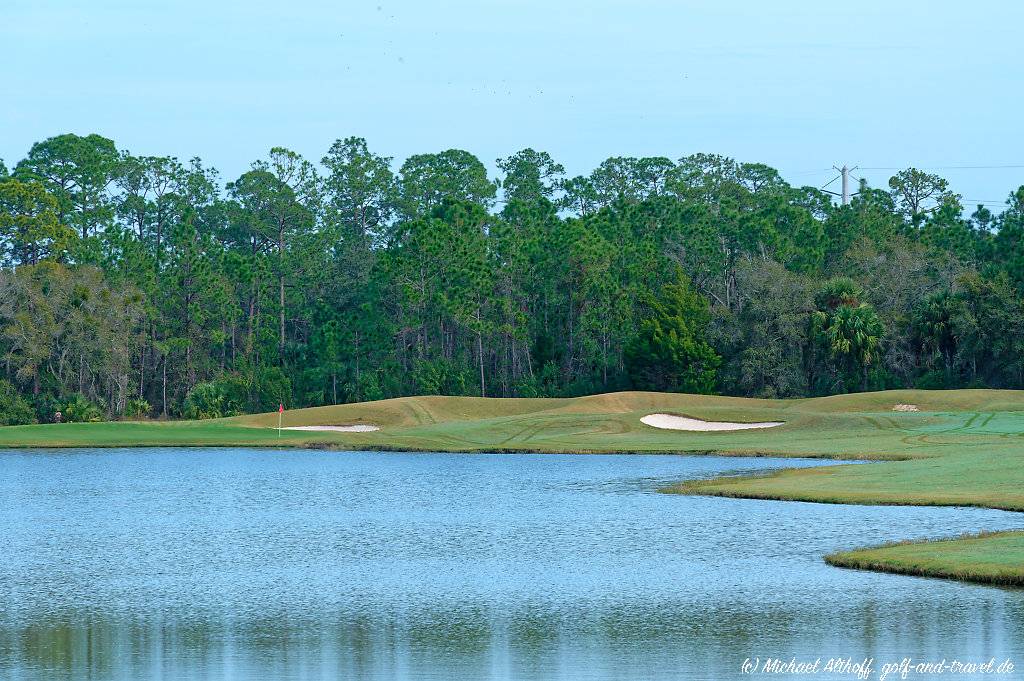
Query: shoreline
point(962, 448)
point(870, 558)
point(930, 558)
point(865, 558)
point(341, 447)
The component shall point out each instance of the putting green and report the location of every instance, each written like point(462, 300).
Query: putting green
point(962, 447)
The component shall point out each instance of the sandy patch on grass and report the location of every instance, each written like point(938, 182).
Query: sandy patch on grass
point(336, 429)
point(671, 422)
point(905, 407)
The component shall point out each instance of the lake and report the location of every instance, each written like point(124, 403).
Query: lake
point(299, 564)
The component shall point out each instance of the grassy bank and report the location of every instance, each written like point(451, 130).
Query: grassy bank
point(962, 448)
point(991, 558)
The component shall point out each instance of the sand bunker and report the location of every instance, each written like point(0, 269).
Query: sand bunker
point(337, 429)
point(905, 407)
point(670, 422)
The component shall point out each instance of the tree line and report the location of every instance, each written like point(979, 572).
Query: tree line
point(146, 286)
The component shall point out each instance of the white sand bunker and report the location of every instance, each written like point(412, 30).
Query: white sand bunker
point(905, 407)
point(671, 422)
point(336, 429)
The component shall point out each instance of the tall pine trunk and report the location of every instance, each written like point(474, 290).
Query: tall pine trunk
point(480, 351)
point(280, 281)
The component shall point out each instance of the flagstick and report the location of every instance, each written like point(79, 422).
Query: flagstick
point(280, 415)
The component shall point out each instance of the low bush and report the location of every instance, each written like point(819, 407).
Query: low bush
point(14, 409)
point(205, 401)
point(78, 408)
point(136, 407)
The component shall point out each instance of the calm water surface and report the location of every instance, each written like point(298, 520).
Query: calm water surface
point(257, 564)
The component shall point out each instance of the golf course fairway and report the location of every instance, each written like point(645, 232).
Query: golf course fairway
point(959, 448)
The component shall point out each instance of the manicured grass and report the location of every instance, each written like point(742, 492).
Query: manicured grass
point(992, 558)
point(963, 448)
point(848, 426)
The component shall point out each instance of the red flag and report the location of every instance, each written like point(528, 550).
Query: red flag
point(280, 409)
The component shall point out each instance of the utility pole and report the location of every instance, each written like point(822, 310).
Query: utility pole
point(844, 173)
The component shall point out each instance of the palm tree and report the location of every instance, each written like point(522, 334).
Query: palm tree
point(849, 329)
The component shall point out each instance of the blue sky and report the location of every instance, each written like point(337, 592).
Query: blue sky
point(798, 85)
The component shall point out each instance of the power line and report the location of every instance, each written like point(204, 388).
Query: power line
point(807, 172)
point(844, 173)
point(993, 167)
point(1008, 166)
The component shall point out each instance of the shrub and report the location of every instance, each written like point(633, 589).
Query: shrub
point(46, 405)
point(235, 391)
point(273, 387)
point(931, 380)
point(136, 407)
point(438, 377)
point(14, 409)
point(78, 408)
point(225, 396)
point(367, 388)
point(544, 383)
point(204, 401)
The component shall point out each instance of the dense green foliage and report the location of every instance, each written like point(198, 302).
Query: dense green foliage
point(129, 281)
point(669, 353)
point(14, 410)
